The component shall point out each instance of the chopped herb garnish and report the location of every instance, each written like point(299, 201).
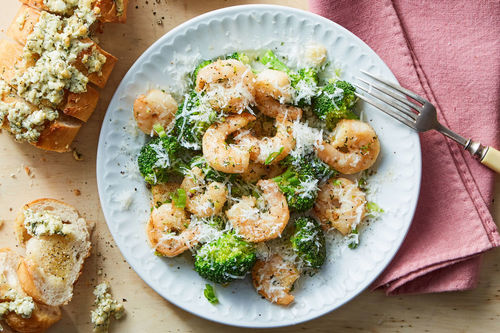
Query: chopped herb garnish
point(273, 156)
point(179, 198)
point(159, 130)
point(353, 239)
point(363, 184)
point(209, 293)
point(372, 207)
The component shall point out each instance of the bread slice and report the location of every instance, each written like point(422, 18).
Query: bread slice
point(29, 18)
point(108, 9)
point(99, 79)
point(42, 317)
point(59, 134)
point(53, 263)
point(80, 106)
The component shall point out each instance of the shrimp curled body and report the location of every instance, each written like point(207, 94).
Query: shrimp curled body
point(203, 199)
point(273, 93)
point(273, 279)
point(255, 225)
point(228, 84)
point(354, 147)
point(169, 230)
point(340, 205)
point(225, 157)
point(156, 107)
point(277, 147)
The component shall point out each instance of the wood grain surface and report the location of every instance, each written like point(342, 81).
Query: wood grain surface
point(60, 176)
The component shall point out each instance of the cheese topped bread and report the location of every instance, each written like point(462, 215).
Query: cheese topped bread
point(57, 241)
point(51, 69)
point(19, 310)
point(109, 10)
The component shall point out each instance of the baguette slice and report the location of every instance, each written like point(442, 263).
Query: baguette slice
point(29, 17)
point(80, 106)
point(53, 263)
point(43, 316)
point(57, 135)
point(108, 9)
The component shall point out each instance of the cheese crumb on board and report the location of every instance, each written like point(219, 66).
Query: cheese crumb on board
point(106, 308)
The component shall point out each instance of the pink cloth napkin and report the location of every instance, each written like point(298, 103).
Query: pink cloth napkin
point(448, 52)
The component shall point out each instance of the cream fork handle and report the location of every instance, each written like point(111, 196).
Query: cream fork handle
point(492, 159)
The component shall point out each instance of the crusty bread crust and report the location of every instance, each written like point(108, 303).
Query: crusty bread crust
point(43, 316)
point(80, 106)
point(109, 13)
point(36, 280)
point(59, 135)
point(107, 7)
point(10, 59)
point(20, 34)
point(99, 79)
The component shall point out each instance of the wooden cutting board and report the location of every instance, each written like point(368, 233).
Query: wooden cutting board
point(27, 174)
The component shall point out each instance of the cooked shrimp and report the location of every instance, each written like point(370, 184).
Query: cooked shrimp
point(221, 156)
point(353, 147)
point(228, 85)
point(274, 279)
point(169, 230)
point(258, 171)
point(203, 199)
point(162, 192)
point(269, 150)
point(340, 204)
point(257, 224)
point(273, 93)
point(156, 107)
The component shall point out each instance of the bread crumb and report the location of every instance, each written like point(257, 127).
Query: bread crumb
point(27, 170)
point(1, 224)
point(76, 155)
point(77, 192)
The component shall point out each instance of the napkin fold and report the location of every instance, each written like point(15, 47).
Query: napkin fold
point(448, 52)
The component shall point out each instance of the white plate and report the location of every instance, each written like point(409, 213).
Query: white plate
point(217, 33)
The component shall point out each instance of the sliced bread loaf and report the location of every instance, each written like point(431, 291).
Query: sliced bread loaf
point(57, 241)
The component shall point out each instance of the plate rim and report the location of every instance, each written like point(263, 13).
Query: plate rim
point(115, 99)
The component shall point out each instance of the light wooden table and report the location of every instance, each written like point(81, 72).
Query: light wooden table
point(60, 176)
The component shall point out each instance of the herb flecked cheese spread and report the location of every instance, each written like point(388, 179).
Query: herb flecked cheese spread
point(43, 223)
point(13, 302)
point(61, 6)
point(48, 67)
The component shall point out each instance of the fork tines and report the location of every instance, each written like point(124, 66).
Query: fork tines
point(398, 107)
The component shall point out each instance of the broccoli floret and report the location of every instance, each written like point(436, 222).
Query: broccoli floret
point(308, 242)
point(304, 81)
point(299, 187)
point(335, 102)
point(197, 69)
point(225, 259)
point(192, 120)
point(158, 159)
point(310, 164)
point(210, 173)
point(241, 56)
point(272, 61)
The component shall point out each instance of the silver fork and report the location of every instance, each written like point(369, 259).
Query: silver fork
point(420, 116)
